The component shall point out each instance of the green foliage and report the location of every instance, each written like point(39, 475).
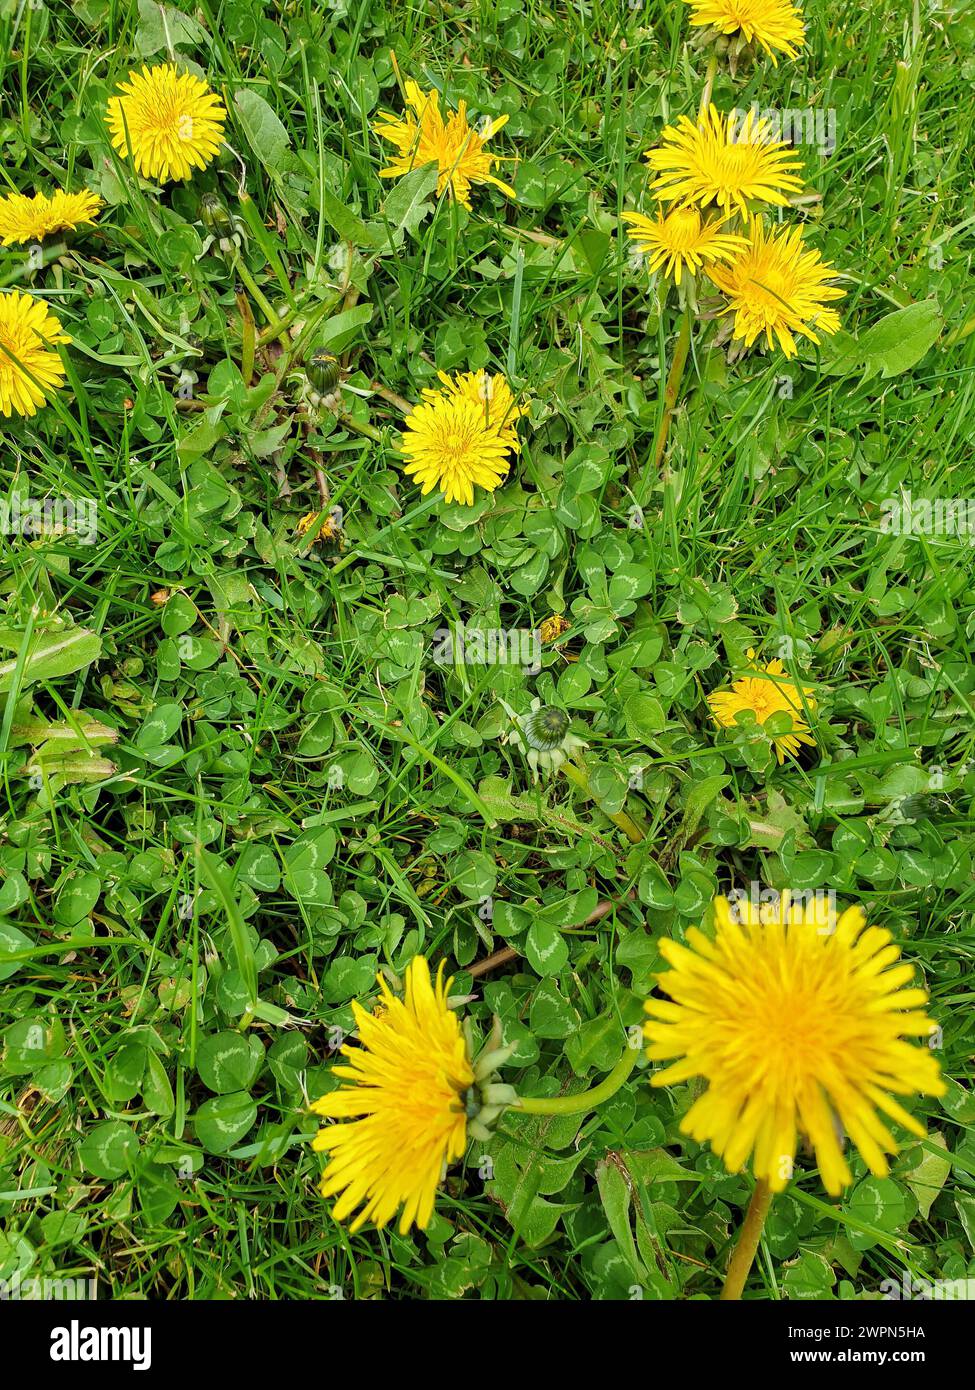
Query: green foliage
point(236, 783)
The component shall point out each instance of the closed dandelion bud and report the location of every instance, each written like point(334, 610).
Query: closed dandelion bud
point(215, 217)
point(323, 372)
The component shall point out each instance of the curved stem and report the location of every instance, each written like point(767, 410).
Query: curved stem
point(672, 389)
point(751, 1234)
point(708, 84)
point(582, 1100)
point(359, 426)
point(239, 268)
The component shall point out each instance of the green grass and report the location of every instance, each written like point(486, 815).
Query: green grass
point(299, 795)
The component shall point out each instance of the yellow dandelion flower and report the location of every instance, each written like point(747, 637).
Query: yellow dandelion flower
point(423, 136)
point(724, 160)
point(30, 367)
point(24, 218)
point(168, 120)
point(681, 241)
point(775, 24)
point(779, 287)
point(404, 1110)
point(461, 435)
point(765, 693)
point(796, 1017)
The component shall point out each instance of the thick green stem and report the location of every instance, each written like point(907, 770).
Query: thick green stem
point(708, 84)
point(672, 389)
point(360, 427)
point(582, 1100)
point(255, 292)
point(751, 1234)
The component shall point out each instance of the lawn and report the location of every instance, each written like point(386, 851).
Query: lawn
point(276, 720)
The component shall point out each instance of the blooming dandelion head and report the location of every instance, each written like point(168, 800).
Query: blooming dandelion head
point(30, 367)
point(798, 1022)
point(24, 218)
point(462, 436)
point(778, 288)
point(773, 24)
point(168, 120)
point(764, 693)
point(681, 241)
point(402, 1108)
point(425, 136)
point(722, 160)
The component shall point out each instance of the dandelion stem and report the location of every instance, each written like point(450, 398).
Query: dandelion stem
point(708, 84)
point(751, 1234)
point(360, 427)
point(247, 338)
point(255, 292)
point(672, 389)
point(583, 1100)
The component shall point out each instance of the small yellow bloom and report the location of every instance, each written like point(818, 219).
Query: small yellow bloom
point(724, 160)
point(779, 288)
point(24, 218)
point(423, 136)
point(775, 24)
point(461, 435)
point(796, 1017)
point(168, 120)
point(403, 1111)
point(681, 241)
point(30, 367)
point(766, 693)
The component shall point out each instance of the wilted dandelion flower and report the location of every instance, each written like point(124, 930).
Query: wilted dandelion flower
point(168, 120)
point(329, 528)
point(423, 136)
point(778, 287)
point(24, 218)
point(723, 160)
point(681, 241)
point(550, 629)
point(461, 435)
point(544, 735)
point(775, 24)
point(796, 1018)
point(763, 694)
point(29, 364)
